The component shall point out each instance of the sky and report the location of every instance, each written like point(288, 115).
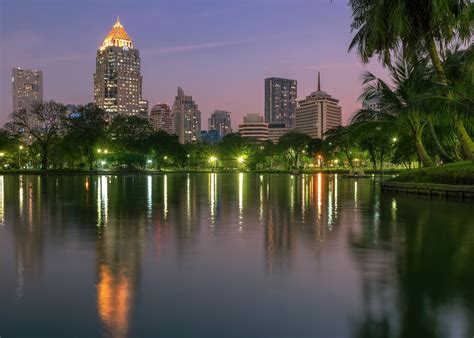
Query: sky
point(218, 51)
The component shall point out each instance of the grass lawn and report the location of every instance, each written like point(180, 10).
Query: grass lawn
point(459, 173)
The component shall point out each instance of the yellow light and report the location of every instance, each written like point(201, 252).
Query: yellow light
point(212, 159)
point(241, 159)
point(166, 157)
point(105, 151)
point(99, 150)
point(394, 139)
point(2, 154)
point(21, 147)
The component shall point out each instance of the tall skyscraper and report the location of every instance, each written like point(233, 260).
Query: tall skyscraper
point(187, 118)
point(27, 87)
point(254, 127)
point(318, 113)
point(280, 100)
point(161, 118)
point(117, 80)
point(220, 121)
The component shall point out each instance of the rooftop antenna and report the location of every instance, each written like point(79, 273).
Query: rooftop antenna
point(319, 82)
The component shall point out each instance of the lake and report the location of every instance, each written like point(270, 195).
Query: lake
point(231, 255)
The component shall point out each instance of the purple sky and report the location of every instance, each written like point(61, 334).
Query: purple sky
point(219, 51)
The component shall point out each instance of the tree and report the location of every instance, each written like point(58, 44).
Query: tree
point(400, 106)
point(42, 123)
point(85, 131)
point(341, 139)
point(419, 28)
point(164, 147)
point(129, 137)
point(294, 144)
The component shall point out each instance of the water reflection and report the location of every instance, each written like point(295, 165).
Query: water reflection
point(2, 201)
point(102, 201)
point(394, 266)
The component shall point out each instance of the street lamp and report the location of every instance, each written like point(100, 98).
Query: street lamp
point(20, 148)
point(394, 139)
point(240, 159)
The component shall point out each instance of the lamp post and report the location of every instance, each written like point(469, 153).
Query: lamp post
point(20, 148)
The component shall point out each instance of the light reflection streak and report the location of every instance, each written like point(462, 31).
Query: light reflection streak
point(2, 201)
point(30, 205)
point(292, 193)
point(188, 198)
point(303, 196)
point(394, 209)
point(241, 197)
point(335, 195)
point(102, 201)
point(20, 192)
point(149, 196)
point(261, 199)
point(212, 197)
point(319, 195)
point(114, 298)
point(355, 194)
point(165, 196)
point(330, 194)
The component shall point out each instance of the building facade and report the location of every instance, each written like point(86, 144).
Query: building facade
point(318, 113)
point(187, 118)
point(280, 100)
point(161, 118)
point(221, 122)
point(254, 127)
point(117, 80)
point(277, 130)
point(27, 88)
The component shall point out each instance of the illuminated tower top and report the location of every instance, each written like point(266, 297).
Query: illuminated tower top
point(117, 37)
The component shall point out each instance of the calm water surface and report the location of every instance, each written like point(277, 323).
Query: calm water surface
point(231, 255)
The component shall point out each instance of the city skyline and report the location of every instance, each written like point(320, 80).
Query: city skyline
point(204, 52)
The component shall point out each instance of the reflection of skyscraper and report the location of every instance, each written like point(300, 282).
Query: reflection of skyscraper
point(27, 87)
point(280, 100)
point(187, 118)
point(118, 259)
point(117, 80)
point(318, 113)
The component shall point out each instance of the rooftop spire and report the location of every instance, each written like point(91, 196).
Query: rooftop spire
point(319, 82)
point(117, 37)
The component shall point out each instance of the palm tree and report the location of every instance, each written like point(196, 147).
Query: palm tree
point(418, 28)
point(400, 105)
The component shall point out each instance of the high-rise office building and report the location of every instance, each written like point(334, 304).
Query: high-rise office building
point(161, 118)
point(143, 108)
point(117, 80)
point(318, 113)
point(280, 100)
point(276, 131)
point(27, 88)
point(187, 118)
point(220, 121)
point(254, 128)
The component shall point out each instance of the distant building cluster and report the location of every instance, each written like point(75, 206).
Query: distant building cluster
point(118, 90)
